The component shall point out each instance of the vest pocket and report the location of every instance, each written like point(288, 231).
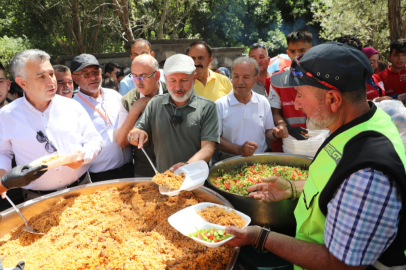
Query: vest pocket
point(305, 207)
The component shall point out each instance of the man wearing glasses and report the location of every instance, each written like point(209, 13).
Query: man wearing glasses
point(137, 47)
point(103, 107)
point(42, 123)
point(145, 73)
point(350, 210)
point(182, 125)
point(208, 84)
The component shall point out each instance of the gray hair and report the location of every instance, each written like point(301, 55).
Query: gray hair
point(246, 60)
point(61, 68)
point(19, 61)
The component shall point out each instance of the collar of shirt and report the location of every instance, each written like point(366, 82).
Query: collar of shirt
point(160, 91)
point(390, 70)
point(102, 94)
point(192, 102)
point(232, 100)
point(31, 107)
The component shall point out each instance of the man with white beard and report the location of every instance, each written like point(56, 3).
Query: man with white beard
point(183, 125)
point(103, 107)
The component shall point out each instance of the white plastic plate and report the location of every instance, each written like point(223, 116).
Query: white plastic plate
point(196, 173)
point(187, 220)
point(62, 160)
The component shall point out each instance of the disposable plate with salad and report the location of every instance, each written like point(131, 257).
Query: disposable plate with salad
point(240, 179)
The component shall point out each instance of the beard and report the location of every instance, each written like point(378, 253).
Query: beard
point(321, 118)
point(185, 97)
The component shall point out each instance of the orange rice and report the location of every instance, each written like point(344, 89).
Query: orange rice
point(169, 179)
point(112, 229)
point(219, 215)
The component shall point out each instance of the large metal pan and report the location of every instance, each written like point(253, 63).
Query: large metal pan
point(9, 219)
point(279, 216)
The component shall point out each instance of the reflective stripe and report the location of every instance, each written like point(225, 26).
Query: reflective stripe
point(295, 120)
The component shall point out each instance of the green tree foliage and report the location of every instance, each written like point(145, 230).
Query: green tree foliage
point(9, 46)
point(368, 20)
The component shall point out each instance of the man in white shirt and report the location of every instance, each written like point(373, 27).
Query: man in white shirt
point(138, 47)
point(245, 117)
point(42, 123)
point(145, 73)
point(103, 107)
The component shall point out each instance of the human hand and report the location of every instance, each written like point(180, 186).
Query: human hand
point(248, 148)
point(137, 137)
point(298, 133)
point(274, 189)
point(177, 166)
point(244, 236)
point(76, 164)
point(22, 175)
point(280, 131)
point(139, 105)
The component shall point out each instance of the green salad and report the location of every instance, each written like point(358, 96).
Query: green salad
point(210, 235)
point(237, 181)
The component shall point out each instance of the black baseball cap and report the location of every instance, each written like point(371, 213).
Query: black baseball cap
point(79, 62)
point(332, 65)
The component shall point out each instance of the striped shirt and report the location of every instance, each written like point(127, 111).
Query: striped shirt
point(362, 218)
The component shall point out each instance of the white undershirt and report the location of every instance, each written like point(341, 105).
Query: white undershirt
point(64, 122)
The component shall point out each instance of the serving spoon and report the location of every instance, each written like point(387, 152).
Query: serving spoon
point(27, 227)
point(162, 189)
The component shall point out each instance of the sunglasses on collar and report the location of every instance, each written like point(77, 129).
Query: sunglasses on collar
point(298, 71)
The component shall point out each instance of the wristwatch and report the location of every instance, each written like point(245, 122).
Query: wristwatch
point(259, 245)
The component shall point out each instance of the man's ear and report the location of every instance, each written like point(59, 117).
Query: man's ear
point(21, 82)
point(152, 54)
point(158, 75)
point(335, 100)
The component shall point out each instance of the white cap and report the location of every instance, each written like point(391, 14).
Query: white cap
point(179, 63)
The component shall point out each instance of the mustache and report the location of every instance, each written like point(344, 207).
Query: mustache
point(200, 66)
point(179, 91)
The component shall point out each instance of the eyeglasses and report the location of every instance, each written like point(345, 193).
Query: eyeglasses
point(141, 78)
point(258, 45)
point(298, 71)
point(41, 137)
point(88, 75)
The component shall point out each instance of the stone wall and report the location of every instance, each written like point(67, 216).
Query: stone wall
point(163, 49)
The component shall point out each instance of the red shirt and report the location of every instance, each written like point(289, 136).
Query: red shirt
point(391, 81)
point(372, 92)
point(292, 116)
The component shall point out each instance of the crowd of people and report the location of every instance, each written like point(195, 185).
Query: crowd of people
point(349, 212)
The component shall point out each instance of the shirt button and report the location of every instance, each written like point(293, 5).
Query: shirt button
point(57, 169)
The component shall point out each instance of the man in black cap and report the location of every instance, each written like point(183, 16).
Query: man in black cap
point(348, 215)
point(103, 107)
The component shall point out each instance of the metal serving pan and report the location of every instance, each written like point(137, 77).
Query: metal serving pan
point(9, 219)
point(279, 216)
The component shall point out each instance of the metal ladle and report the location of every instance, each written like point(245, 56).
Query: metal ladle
point(27, 227)
point(162, 189)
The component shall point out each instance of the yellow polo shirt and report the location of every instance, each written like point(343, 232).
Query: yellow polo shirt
point(217, 86)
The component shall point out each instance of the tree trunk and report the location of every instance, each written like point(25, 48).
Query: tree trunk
point(161, 23)
point(395, 19)
point(96, 32)
point(77, 26)
point(122, 12)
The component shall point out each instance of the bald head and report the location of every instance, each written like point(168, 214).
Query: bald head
point(146, 60)
point(145, 73)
